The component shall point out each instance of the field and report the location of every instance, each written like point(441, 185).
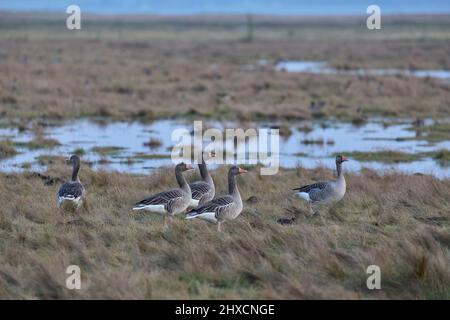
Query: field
point(398, 222)
point(144, 68)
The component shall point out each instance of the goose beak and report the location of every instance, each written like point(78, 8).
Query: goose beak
point(242, 171)
point(344, 158)
point(67, 160)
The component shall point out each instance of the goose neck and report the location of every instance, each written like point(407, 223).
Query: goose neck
point(204, 173)
point(339, 170)
point(181, 180)
point(75, 169)
point(232, 186)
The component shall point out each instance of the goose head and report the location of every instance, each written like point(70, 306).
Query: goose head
point(74, 160)
point(183, 167)
point(340, 159)
point(235, 170)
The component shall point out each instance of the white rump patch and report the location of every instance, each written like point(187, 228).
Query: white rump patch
point(194, 203)
point(156, 208)
point(304, 196)
point(61, 200)
point(69, 202)
point(208, 216)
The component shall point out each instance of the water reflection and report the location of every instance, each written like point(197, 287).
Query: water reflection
point(133, 154)
point(321, 67)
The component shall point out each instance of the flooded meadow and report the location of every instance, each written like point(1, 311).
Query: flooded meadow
point(136, 147)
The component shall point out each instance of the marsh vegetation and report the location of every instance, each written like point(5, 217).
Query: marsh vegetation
point(129, 75)
point(142, 69)
point(404, 229)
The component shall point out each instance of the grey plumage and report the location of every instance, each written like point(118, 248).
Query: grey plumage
point(222, 208)
point(317, 191)
point(172, 201)
point(202, 191)
point(325, 191)
point(72, 191)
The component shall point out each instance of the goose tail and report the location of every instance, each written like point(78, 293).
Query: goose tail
point(191, 214)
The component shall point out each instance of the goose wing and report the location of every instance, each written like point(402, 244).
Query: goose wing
point(220, 206)
point(161, 198)
point(71, 190)
point(316, 191)
point(309, 187)
point(199, 189)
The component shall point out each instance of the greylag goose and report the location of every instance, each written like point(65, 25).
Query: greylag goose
point(204, 190)
point(169, 202)
point(325, 192)
point(222, 208)
point(72, 192)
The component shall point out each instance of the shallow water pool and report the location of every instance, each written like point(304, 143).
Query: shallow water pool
point(309, 148)
point(322, 67)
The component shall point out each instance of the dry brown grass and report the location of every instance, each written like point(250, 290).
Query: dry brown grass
point(398, 222)
point(147, 71)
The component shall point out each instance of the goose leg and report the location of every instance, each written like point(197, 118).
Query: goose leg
point(311, 211)
point(219, 226)
point(166, 221)
point(85, 205)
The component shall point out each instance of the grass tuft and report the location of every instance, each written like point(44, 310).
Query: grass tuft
point(387, 156)
point(128, 255)
point(7, 149)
